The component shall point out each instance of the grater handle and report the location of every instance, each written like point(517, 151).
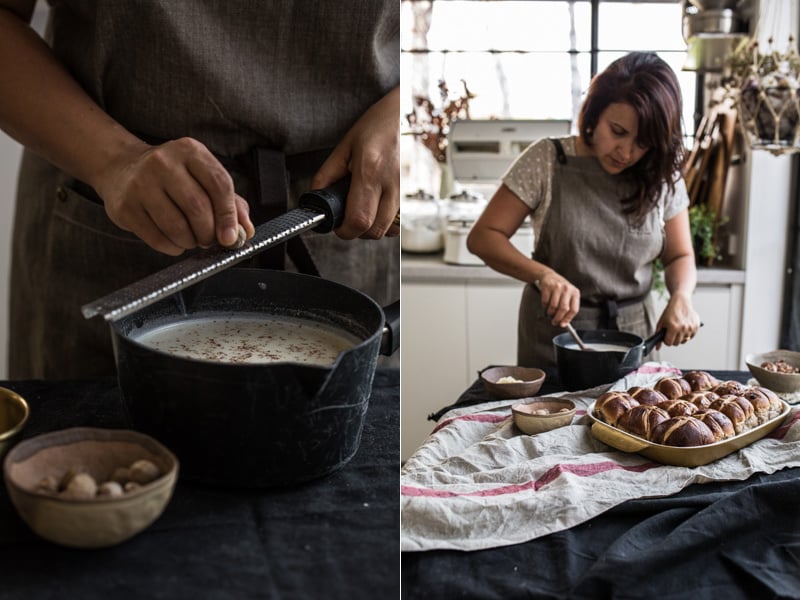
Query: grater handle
point(329, 201)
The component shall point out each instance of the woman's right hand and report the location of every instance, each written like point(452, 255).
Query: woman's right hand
point(560, 299)
point(175, 196)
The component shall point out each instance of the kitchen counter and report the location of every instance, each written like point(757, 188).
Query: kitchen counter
point(431, 267)
point(336, 537)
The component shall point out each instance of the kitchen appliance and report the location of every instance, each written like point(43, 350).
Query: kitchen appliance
point(422, 223)
point(479, 153)
point(712, 29)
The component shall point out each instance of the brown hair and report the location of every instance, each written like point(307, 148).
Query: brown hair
point(649, 85)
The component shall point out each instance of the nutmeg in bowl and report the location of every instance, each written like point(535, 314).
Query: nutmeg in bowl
point(90, 487)
point(506, 382)
point(778, 371)
point(543, 414)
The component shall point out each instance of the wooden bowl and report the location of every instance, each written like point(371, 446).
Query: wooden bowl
point(543, 414)
point(97, 521)
point(777, 382)
point(530, 381)
point(14, 414)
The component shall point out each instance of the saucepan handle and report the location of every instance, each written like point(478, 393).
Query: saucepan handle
point(655, 339)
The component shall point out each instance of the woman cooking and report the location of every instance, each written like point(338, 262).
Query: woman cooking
point(605, 205)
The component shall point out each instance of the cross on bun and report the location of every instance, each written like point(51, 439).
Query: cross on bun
point(761, 405)
point(701, 399)
point(610, 406)
point(720, 425)
point(676, 407)
point(700, 380)
point(775, 404)
point(729, 387)
point(641, 420)
point(672, 387)
point(728, 406)
point(682, 431)
point(647, 396)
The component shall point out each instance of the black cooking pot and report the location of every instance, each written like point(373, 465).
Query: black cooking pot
point(582, 369)
point(255, 425)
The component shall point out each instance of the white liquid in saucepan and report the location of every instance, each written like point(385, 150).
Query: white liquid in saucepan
point(250, 339)
point(600, 347)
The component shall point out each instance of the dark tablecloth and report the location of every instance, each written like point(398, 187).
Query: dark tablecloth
point(732, 540)
point(337, 537)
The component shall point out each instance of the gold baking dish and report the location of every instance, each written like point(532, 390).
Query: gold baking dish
point(689, 456)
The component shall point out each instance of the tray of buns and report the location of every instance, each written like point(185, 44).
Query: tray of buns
point(686, 421)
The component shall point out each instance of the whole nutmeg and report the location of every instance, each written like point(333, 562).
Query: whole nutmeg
point(109, 489)
point(68, 476)
point(48, 485)
point(130, 486)
point(144, 471)
point(121, 475)
point(81, 487)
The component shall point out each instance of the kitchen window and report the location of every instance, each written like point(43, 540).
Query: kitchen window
point(530, 59)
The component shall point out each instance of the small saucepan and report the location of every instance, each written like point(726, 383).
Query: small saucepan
point(255, 424)
point(611, 355)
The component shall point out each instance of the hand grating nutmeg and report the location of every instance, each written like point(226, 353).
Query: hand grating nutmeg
point(241, 238)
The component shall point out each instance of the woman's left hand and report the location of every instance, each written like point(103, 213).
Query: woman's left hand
point(679, 319)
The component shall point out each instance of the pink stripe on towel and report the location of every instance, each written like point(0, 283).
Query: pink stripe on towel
point(551, 475)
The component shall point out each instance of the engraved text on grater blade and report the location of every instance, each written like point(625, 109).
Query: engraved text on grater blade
point(198, 267)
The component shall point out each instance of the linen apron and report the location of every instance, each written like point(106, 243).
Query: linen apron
point(607, 255)
point(235, 75)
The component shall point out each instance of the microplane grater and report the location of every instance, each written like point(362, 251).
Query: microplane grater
point(199, 266)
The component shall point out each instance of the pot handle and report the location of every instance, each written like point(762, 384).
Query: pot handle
point(329, 201)
point(653, 340)
point(657, 337)
point(390, 341)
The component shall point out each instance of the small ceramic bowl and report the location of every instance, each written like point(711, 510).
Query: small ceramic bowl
point(14, 414)
point(530, 381)
point(543, 414)
point(777, 382)
point(97, 521)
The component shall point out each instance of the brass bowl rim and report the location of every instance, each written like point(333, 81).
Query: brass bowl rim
point(11, 395)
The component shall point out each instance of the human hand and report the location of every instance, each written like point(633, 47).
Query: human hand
point(175, 196)
point(370, 153)
point(560, 299)
point(679, 319)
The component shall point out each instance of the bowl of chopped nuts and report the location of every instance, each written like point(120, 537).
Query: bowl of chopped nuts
point(512, 382)
point(778, 370)
point(90, 487)
point(543, 414)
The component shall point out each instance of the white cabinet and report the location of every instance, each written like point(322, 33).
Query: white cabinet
point(450, 332)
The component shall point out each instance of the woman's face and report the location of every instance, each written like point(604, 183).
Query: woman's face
point(614, 140)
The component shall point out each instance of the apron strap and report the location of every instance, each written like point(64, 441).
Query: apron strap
point(560, 154)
